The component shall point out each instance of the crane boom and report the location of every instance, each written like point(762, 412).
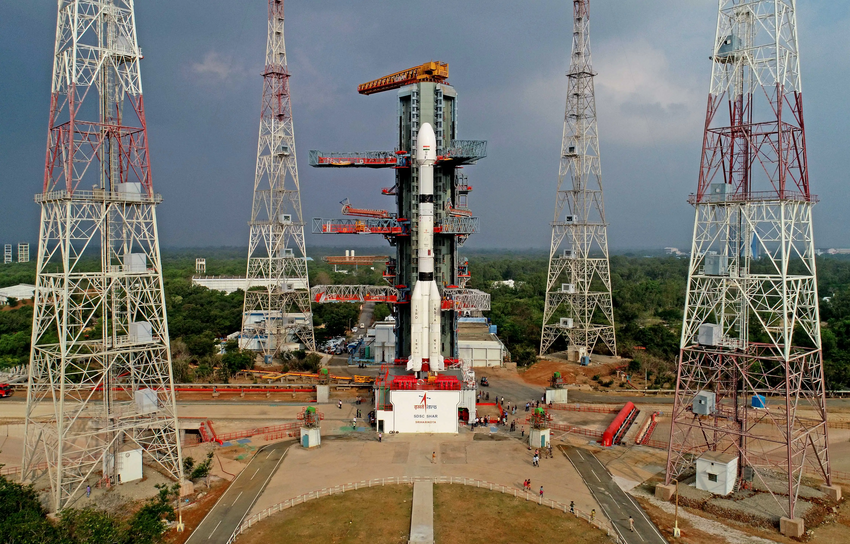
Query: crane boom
point(430, 71)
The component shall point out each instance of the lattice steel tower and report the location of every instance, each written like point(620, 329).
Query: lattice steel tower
point(100, 381)
point(277, 301)
point(751, 331)
point(578, 290)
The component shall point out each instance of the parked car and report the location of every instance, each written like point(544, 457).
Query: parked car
point(484, 381)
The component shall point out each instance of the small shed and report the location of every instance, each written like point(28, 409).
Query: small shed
point(716, 472)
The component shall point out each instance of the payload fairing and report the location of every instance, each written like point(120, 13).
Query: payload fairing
point(425, 335)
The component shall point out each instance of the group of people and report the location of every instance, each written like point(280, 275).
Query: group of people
point(526, 485)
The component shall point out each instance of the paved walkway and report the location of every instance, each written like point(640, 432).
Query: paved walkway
point(237, 500)
point(359, 456)
point(422, 515)
point(616, 505)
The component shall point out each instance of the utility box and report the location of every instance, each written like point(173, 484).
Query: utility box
point(716, 472)
point(715, 265)
point(566, 322)
point(727, 50)
point(285, 252)
point(570, 219)
point(538, 438)
point(141, 332)
point(709, 334)
point(568, 254)
point(311, 437)
point(129, 465)
point(146, 401)
point(558, 396)
point(585, 360)
point(759, 401)
point(569, 288)
point(575, 353)
point(720, 191)
point(704, 403)
point(130, 191)
point(286, 218)
point(135, 262)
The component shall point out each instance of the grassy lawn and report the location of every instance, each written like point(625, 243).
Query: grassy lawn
point(378, 515)
point(468, 515)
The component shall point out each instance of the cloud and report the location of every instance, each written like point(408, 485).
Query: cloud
point(217, 67)
point(642, 97)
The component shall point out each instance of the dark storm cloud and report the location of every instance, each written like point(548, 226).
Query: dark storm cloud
point(508, 59)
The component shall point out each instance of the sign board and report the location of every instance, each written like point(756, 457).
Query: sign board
point(424, 411)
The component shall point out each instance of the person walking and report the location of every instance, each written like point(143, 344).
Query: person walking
point(380, 436)
point(434, 458)
point(592, 514)
point(354, 423)
point(541, 491)
point(522, 433)
point(339, 404)
point(572, 507)
point(631, 524)
point(88, 491)
point(526, 406)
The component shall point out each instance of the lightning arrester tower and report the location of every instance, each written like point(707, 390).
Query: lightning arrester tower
point(578, 289)
point(750, 376)
point(277, 299)
point(100, 382)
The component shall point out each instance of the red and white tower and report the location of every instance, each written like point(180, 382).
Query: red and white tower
point(100, 392)
point(750, 377)
point(277, 296)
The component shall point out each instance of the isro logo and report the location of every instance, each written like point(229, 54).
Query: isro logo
point(423, 404)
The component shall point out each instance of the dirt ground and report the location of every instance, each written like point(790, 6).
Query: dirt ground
point(379, 515)
point(494, 518)
point(194, 513)
point(541, 372)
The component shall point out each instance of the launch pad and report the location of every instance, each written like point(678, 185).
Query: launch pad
point(426, 387)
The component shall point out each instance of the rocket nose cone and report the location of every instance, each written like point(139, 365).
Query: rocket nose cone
point(426, 144)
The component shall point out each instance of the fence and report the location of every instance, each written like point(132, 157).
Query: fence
point(575, 430)
point(336, 490)
point(599, 408)
point(224, 437)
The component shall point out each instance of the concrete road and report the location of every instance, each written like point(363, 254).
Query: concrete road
point(365, 317)
point(235, 503)
point(515, 391)
point(616, 504)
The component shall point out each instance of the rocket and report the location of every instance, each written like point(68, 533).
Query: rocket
point(425, 338)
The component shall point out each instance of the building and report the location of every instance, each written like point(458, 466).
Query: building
point(478, 343)
point(716, 472)
point(22, 291)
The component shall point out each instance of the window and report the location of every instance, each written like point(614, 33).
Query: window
point(712, 477)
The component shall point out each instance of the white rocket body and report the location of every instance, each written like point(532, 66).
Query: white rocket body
point(425, 338)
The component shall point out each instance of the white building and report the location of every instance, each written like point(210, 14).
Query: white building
point(478, 344)
point(22, 291)
point(716, 472)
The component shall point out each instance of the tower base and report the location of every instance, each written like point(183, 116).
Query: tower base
point(538, 438)
point(311, 437)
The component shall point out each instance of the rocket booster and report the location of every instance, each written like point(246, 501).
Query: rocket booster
point(425, 337)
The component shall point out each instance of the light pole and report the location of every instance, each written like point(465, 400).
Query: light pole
point(676, 532)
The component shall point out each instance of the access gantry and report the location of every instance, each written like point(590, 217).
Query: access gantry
point(424, 96)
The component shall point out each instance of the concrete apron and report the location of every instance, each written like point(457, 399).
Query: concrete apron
point(422, 516)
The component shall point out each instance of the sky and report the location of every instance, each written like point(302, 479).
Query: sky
point(202, 88)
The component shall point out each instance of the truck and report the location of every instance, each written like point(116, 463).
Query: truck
point(6, 390)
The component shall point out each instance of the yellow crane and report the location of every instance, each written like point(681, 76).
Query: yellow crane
point(435, 71)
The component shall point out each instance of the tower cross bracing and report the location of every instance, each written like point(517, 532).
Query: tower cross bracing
point(751, 329)
point(277, 308)
point(578, 303)
point(100, 380)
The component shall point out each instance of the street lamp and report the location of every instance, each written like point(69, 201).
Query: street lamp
point(676, 532)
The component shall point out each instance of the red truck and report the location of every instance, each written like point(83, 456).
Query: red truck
point(6, 390)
